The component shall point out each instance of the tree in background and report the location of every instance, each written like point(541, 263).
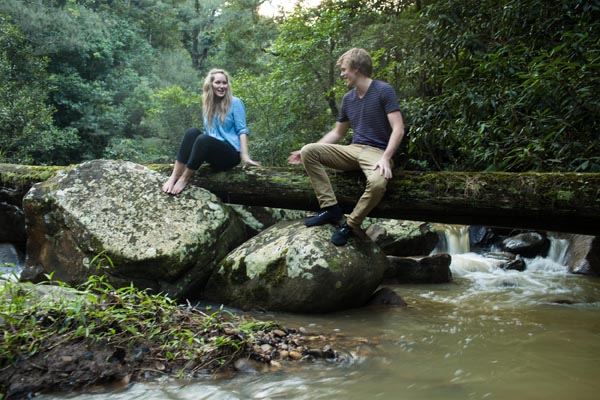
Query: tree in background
point(27, 133)
point(510, 85)
point(484, 85)
point(296, 99)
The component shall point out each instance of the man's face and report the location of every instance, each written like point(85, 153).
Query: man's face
point(347, 74)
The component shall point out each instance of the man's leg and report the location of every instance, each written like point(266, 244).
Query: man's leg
point(375, 189)
point(315, 158)
point(375, 186)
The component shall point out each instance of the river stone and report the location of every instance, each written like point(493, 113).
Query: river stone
point(403, 238)
point(292, 268)
point(107, 212)
point(528, 244)
point(583, 255)
point(430, 269)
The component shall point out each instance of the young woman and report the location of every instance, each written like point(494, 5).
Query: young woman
point(225, 143)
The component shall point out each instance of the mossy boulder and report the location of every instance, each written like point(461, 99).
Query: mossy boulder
point(403, 238)
point(292, 268)
point(111, 218)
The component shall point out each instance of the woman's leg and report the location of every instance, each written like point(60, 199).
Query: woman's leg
point(218, 154)
point(183, 154)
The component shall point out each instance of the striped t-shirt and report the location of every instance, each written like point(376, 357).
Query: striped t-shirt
point(368, 116)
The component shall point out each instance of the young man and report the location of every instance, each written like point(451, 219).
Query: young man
point(371, 110)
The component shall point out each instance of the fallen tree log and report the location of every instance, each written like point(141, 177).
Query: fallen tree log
point(562, 202)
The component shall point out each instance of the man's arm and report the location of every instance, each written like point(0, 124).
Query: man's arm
point(397, 124)
point(333, 136)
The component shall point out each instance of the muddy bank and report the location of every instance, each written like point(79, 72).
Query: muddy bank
point(63, 339)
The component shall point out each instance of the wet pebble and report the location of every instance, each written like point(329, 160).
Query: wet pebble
point(279, 333)
point(245, 365)
point(266, 348)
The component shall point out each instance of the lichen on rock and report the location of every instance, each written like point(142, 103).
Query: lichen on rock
point(116, 208)
point(290, 267)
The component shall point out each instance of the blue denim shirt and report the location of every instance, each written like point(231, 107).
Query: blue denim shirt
point(234, 125)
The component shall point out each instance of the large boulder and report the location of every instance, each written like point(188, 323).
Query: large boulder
point(403, 238)
point(111, 218)
point(292, 268)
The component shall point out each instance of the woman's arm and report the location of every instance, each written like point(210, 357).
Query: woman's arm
point(244, 155)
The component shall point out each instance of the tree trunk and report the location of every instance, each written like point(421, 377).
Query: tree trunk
point(562, 202)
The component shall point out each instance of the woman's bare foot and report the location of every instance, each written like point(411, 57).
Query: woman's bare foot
point(169, 184)
point(179, 186)
point(181, 182)
point(178, 170)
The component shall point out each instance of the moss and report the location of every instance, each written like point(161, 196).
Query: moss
point(236, 274)
point(19, 176)
point(276, 271)
point(564, 195)
point(335, 264)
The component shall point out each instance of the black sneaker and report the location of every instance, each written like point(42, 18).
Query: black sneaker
point(341, 235)
point(330, 215)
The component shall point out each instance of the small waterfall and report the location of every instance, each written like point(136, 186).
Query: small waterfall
point(559, 250)
point(10, 262)
point(455, 239)
point(543, 279)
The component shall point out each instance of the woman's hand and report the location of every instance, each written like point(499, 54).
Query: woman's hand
point(248, 162)
point(295, 158)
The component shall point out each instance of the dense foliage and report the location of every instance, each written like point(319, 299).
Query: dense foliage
point(484, 85)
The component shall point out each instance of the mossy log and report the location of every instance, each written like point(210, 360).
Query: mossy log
point(563, 202)
point(567, 202)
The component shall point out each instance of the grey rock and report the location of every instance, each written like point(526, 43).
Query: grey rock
point(432, 269)
point(528, 244)
point(111, 218)
point(403, 238)
point(290, 267)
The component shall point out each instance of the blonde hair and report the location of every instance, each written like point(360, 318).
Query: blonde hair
point(210, 107)
point(358, 59)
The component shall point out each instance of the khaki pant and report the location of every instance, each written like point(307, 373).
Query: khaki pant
point(317, 156)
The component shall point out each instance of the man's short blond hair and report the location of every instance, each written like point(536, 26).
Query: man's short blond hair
point(359, 59)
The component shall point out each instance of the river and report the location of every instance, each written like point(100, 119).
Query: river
point(490, 334)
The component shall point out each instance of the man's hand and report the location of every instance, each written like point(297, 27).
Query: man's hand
point(385, 168)
point(295, 158)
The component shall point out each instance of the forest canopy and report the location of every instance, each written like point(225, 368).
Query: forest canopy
point(486, 85)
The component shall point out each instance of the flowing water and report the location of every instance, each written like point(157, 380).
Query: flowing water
point(490, 334)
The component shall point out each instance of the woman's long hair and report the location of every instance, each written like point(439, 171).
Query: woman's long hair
point(210, 107)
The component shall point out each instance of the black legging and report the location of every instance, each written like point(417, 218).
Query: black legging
point(196, 148)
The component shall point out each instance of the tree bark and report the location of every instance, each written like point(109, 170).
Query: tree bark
point(561, 202)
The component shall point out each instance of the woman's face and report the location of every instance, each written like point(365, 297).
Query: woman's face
point(220, 85)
